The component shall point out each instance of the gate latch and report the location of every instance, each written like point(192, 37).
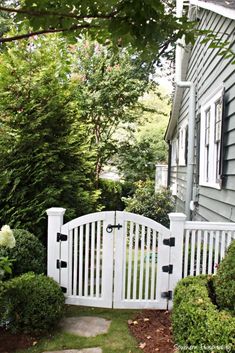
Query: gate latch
point(110, 227)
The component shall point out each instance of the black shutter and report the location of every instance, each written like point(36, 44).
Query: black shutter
point(222, 147)
point(198, 134)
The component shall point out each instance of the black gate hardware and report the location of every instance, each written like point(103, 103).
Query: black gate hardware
point(167, 295)
point(61, 264)
point(64, 289)
point(110, 227)
point(167, 269)
point(62, 237)
point(169, 242)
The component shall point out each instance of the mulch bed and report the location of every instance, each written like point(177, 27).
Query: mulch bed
point(153, 331)
point(10, 342)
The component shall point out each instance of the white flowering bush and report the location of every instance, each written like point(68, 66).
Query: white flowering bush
point(7, 240)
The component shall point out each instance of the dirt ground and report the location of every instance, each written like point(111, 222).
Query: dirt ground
point(11, 342)
point(152, 329)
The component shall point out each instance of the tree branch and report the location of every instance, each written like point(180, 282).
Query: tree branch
point(46, 31)
point(58, 14)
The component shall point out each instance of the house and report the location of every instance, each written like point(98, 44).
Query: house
point(201, 129)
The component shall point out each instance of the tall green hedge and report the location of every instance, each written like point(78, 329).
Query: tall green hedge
point(225, 281)
point(197, 324)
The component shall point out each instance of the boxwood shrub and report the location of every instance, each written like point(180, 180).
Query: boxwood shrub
point(35, 303)
point(225, 281)
point(197, 324)
point(29, 254)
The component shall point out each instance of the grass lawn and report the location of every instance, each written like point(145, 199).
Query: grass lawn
point(117, 340)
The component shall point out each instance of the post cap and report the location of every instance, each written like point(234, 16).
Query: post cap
point(55, 211)
point(174, 216)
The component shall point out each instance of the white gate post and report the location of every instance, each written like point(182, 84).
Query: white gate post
point(177, 225)
point(55, 221)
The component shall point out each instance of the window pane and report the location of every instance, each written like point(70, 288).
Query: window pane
point(207, 127)
point(218, 120)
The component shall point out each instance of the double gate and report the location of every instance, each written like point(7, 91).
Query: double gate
point(112, 259)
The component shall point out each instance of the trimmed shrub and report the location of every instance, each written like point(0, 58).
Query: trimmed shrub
point(151, 204)
point(28, 253)
point(35, 303)
point(197, 324)
point(111, 195)
point(225, 281)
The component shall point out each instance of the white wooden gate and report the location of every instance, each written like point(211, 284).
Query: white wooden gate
point(114, 259)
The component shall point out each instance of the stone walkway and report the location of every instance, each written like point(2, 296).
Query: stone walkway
point(85, 326)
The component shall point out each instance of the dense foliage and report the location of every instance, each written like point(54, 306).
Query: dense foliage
point(28, 253)
point(148, 25)
point(225, 281)
point(150, 204)
point(45, 160)
point(111, 195)
point(33, 303)
point(197, 324)
point(145, 147)
point(108, 86)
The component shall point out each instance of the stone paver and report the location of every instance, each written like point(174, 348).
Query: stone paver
point(85, 350)
point(85, 326)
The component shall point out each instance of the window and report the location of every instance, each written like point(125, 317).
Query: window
point(210, 143)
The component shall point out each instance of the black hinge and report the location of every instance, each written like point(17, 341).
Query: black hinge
point(167, 295)
point(62, 237)
point(167, 269)
point(61, 264)
point(64, 289)
point(169, 242)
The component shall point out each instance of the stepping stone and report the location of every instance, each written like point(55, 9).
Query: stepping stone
point(85, 326)
point(85, 350)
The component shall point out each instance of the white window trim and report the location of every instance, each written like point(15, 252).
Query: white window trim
point(209, 103)
point(182, 145)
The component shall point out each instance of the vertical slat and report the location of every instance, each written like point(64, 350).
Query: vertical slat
point(86, 259)
point(192, 263)
point(211, 242)
point(147, 265)
point(141, 263)
point(135, 260)
point(229, 238)
point(204, 260)
point(222, 245)
point(153, 265)
point(75, 256)
point(186, 246)
point(124, 262)
point(98, 261)
point(92, 259)
point(70, 263)
point(80, 285)
point(216, 260)
point(130, 262)
point(199, 237)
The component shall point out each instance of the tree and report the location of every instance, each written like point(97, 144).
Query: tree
point(44, 159)
point(149, 26)
point(138, 154)
point(108, 86)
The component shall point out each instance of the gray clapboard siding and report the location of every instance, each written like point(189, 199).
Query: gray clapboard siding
point(226, 211)
point(208, 71)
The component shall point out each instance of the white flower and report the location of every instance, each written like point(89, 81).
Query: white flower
point(7, 238)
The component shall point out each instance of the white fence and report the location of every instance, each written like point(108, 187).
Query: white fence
point(204, 246)
point(125, 260)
